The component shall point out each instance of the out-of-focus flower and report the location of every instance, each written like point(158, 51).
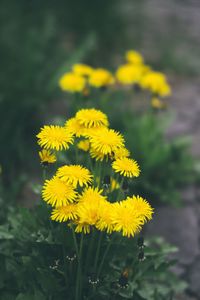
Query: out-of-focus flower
point(72, 83)
point(156, 82)
point(134, 57)
point(82, 69)
point(101, 78)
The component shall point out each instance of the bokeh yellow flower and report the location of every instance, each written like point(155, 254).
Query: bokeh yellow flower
point(84, 145)
point(75, 175)
point(156, 83)
point(72, 83)
point(54, 137)
point(157, 103)
point(47, 157)
point(126, 167)
point(82, 69)
point(101, 78)
point(134, 57)
point(58, 193)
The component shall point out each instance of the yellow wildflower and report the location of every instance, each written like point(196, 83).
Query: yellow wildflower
point(82, 69)
point(91, 118)
point(157, 103)
point(129, 74)
point(64, 213)
point(47, 157)
point(75, 175)
point(156, 82)
point(84, 145)
point(101, 78)
point(141, 206)
point(126, 167)
point(54, 137)
point(106, 141)
point(105, 221)
point(134, 57)
point(58, 193)
point(72, 83)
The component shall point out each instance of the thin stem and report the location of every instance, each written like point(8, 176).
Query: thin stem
point(98, 251)
point(77, 253)
point(90, 250)
point(104, 257)
point(80, 265)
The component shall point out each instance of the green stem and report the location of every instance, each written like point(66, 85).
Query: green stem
point(80, 265)
point(98, 251)
point(77, 254)
point(104, 257)
point(91, 244)
point(44, 173)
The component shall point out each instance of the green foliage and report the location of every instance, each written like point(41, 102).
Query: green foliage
point(34, 263)
point(166, 166)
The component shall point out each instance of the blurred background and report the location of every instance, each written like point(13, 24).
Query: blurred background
point(39, 40)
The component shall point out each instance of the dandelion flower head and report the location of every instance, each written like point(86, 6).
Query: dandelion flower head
point(47, 157)
point(126, 167)
point(129, 74)
point(54, 137)
point(91, 118)
point(64, 213)
point(75, 175)
point(57, 192)
point(156, 82)
point(72, 83)
point(106, 141)
point(82, 69)
point(101, 78)
point(134, 57)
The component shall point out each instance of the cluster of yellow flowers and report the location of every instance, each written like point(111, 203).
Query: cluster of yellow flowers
point(77, 195)
point(82, 76)
point(133, 72)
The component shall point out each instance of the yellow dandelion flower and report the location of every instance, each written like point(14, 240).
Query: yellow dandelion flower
point(101, 78)
point(129, 74)
point(105, 221)
point(114, 185)
point(141, 206)
point(88, 211)
point(126, 167)
point(121, 152)
point(74, 127)
point(134, 57)
point(126, 220)
point(157, 103)
point(64, 213)
point(54, 137)
point(46, 157)
point(99, 156)
point(84, 145)
point(156, 82)
point(72, 83)
point(75, 175)
point(91, 118)
point(91, 194)
point(106, 141)
point(82, 227)
point(57, 192)
point(82, 69)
